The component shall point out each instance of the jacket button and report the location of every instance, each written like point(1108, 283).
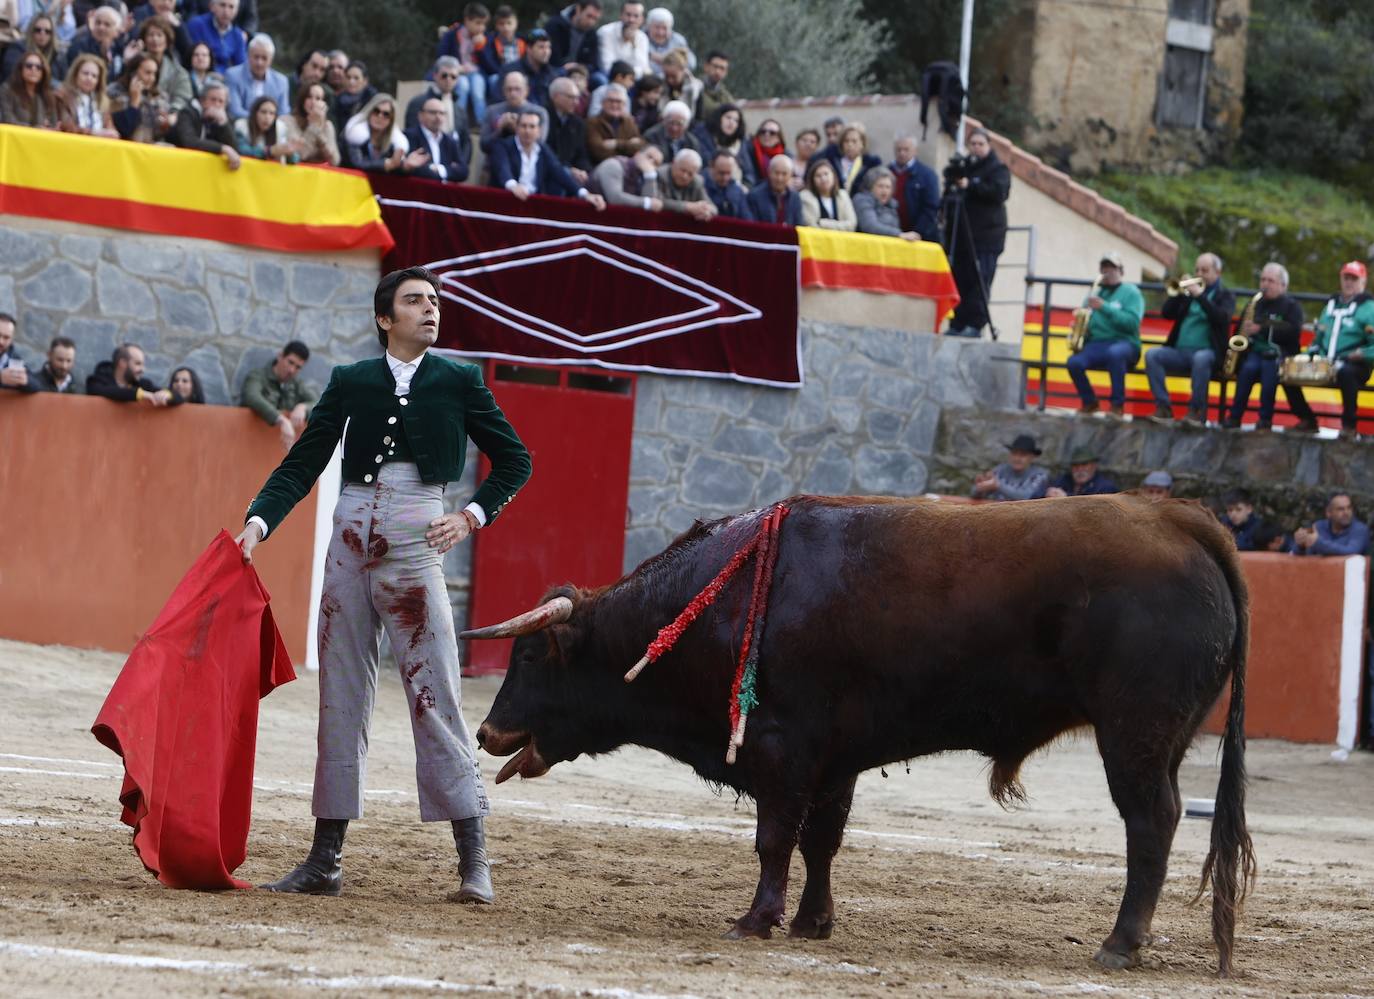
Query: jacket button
point(379, 459)
point(405, 401)
point(391, 419)
point(367, 478)
point(386, 440)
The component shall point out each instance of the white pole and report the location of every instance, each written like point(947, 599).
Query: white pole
point(965, 55)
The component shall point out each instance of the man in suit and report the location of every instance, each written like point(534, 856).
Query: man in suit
point(404, 420)
point(256, 78)
point(775, 201)
point(449, 152)
point(523, 166)
point(208, 129)
point(444, 85)
point(568, 132)
point(722, 188)
point(502, 116)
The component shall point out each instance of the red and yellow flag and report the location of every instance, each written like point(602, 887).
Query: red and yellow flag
point(832, 259)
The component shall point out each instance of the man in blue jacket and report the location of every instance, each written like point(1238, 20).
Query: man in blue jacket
point(256, 78)
point(523, 165)
point(775, 201)
point(227, 43)
point(449, 152)
point(918, 191)
point(1339, 534)
point(722, 188)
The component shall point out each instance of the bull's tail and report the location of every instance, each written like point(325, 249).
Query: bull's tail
point(1230, 864)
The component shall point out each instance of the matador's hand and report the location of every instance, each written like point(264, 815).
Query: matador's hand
point(448, 530)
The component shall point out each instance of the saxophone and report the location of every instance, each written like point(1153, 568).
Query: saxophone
point(1240, 343)
point(1078, 330)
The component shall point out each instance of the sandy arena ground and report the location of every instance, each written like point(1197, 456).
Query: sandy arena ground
point(617, 876)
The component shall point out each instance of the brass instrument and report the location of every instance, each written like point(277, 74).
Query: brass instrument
point(1175, 287)
point(1240, 342)
point(1078, 330)
point(1307, 369)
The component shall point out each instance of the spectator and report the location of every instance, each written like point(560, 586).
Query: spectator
point(766, 144)
point(644, 100)
point(358, 90)
point(11, 23)
point(1271, 538)
point(173, 82)
point(503, 117)
point(671, 134)
point(524, 165)
point(13, 374)
point(1201, 315)
point(1113, 341)
point(852, 160)
point(84, 107)
point(722, 188)
point(262, 136)
point(201, 69)
point(725, 133)
point(337, 77)
point(121, 379)
point(28, 97)
point(577, 73)
point(534, 64)
point(568, 132)
point(573, 33)
point(57, 374)
point(986, 185)
point(376, 144)
point(918, 190)
point(824, 203)
point(139, 111)
point(807, 142)
point(1017, 478)
point(448, 152)
point(1083, 477)
point(631, 182)
point(312, 68)
point(832, 126)
point(308, 128)
point(209, 129)
point(1341, 533)
point(714, 93)
point(684, 190)
point(658, 27)
point(623, 41)
point(465, 43)
point(1274, 329)
point(678, 82)
point(775, 201)
point(256, 78)
point(185, 386)
point(502, 50)
point(39, 37)
point(1345, 334)
point(98, 38)
point(876, 208)
point(228, 43)
point(277, 394)
point(612, 132)
point(167, 10)
point(621, 73)
point(246, 18)
point(1158, 485)
point(444, 88)
point(1241, 518)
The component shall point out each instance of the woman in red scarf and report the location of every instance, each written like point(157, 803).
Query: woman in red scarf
point(767, 143)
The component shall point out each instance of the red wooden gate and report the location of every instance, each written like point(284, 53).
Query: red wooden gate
point(568, 524)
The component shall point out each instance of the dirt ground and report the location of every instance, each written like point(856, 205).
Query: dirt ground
point(617, 876)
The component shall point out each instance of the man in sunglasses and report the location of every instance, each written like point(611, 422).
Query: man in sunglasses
point(446, 70)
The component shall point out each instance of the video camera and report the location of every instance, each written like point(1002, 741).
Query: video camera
point(960, 165)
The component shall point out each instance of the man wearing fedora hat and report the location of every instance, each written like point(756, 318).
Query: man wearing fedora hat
point(1017, 478)
point(1113, 343)
point(1083, 478)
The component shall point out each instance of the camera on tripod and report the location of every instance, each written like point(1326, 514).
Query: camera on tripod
point(960, 165)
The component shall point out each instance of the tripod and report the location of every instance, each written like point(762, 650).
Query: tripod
point(963, 258)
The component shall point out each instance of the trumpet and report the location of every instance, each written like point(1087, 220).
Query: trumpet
point(1240, 343)
point(1175, 287)
point(1078, 331)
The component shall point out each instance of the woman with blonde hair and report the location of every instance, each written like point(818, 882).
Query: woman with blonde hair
point(85, 108)
point(309, 129)
point(852, 160)
point(824, 204)
point(374, 140)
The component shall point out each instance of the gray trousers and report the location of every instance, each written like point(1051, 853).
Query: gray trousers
point(381, 573)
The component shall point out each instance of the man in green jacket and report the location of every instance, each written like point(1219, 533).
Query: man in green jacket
point(278, 395)
point(404, 420)
point(1345, 334)
point(1113, 342)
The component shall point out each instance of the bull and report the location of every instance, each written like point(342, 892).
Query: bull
point(900, 628)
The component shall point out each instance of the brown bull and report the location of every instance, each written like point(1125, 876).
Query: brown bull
point(901, 628)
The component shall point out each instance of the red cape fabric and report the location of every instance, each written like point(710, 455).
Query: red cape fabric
point(183, 714)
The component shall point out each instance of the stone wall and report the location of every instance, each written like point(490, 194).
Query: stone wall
point(221, 310)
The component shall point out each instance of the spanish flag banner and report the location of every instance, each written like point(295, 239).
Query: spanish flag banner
point(183, 192)
point(832, 259)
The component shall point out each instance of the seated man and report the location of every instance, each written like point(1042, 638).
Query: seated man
point(1274, 330)
point(503, 116)
point(534, 66)
point(13, 374)
point(1113, 342)
point(1345, 334)
point(713, 90)
point(256, 78)
point(775, 201)
point(449, 152)
point(671, 134)
point(630, 181)
point(613, 132)
point(722, 188)
point(121, 378)
point(208, 129)
point(227, 43)
point(1197, 342)
point(444, 86)
point(1158, 485)
point(1339, 534)
point(568, 132)
point(573, 34)
point(1241, 518)
point(523, 165)
point(683, 190)
point(275, 393)
point(1083, 477)
point(917, 189)
point(1017, 478)
point(56, 374)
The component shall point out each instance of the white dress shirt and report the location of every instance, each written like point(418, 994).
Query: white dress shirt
point(529, 160)
point(436, 158)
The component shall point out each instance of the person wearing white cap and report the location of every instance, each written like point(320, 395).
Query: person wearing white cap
point(1157, 485)
point(1345, 334)
point(1113, 343)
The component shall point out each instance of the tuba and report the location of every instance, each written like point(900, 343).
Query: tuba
point(1240, 343)
point(1078, 330)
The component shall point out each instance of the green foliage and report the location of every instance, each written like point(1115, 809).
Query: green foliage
point(395, 39)
point(1251, 217)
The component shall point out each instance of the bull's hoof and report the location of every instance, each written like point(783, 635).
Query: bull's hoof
point(811, 927)
point(1113, 961)
point(749, 929)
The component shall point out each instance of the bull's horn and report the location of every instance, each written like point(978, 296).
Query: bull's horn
point(555, 611)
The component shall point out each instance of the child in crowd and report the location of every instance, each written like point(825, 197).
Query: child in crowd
point(1241, 518)
point(501, 50)
point(466, 42)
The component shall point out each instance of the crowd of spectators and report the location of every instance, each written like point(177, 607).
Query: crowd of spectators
point(200, 75)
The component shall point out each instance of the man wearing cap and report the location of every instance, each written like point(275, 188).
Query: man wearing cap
point(1113, 342)
point(1017, 478)
point(1158, 485)
point(1345, 334)
point(1274, 329)
point(1201, 314)
point(1083, 477)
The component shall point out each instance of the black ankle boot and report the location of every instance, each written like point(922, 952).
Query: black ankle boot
point(321, 873)
point(473, 867)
